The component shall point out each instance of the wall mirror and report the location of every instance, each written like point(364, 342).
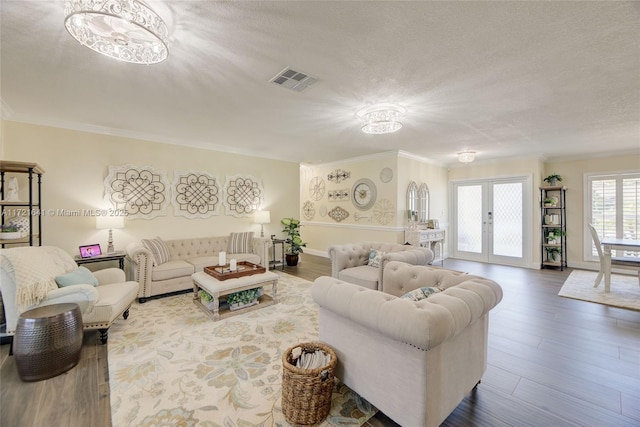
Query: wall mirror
point(423, 203)
point(412, 201)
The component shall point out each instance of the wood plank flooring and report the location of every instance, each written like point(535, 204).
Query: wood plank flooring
point(552, 362)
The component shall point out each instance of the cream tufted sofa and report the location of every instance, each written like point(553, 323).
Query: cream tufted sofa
point(349, 262)
point(188, 256)
point(415, 361)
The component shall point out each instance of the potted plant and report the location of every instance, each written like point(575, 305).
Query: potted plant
point(242, 299)
point(548, 203)
point(294, 241)
point(553, 253)
point(553, 180)
point(554, 235)
point(206, 299)
point(8, 231)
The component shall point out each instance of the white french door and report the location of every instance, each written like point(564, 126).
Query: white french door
point(492, 220)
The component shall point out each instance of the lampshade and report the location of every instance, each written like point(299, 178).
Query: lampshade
point(109, 222)
point(466, 156)
point(127, 30)
point(381, 118)
point(263, 217)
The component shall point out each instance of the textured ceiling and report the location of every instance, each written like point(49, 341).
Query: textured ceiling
point(505, 79)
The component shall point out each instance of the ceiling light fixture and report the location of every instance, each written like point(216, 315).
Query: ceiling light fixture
point(381, 118)
point(127, 30)
point(467, 156)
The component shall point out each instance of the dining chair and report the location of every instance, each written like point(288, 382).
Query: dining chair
point(627, 262)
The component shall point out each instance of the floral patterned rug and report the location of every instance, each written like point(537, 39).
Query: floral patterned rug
point(171, 365)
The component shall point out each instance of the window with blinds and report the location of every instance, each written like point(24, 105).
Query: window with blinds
point(615, 208)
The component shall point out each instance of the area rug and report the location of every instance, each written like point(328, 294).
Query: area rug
point(625, 291)
point(171, 365)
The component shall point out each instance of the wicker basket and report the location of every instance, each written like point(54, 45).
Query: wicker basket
point(306, 393)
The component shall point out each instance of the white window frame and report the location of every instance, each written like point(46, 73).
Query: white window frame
point(588, 179)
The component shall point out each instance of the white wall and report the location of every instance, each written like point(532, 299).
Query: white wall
point(76, 164)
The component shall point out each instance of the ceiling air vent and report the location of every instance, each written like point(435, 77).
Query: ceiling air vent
point(294, 80)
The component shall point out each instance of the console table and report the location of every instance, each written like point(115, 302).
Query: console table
point(116, 256)
point(428, 238)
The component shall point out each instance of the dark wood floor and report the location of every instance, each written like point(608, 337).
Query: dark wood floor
point(552, 362)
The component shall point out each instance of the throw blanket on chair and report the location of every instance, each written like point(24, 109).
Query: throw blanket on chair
point(34, 272)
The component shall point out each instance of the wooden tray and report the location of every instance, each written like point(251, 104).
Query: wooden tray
point(245, 268)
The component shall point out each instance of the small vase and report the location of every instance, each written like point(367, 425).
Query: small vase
point(553, 182)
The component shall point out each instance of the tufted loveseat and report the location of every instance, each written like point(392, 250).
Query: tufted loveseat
point(350, 262)
point(187, 256)
point(415, 361)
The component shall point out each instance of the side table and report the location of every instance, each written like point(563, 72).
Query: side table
point(274, 262)
point(116, 256)
point(48, 341)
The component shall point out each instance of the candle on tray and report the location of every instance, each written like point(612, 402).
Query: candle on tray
point(222, 258)
point(232, 265)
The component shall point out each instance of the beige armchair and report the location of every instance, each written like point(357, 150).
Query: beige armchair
point(428, 354)
point(100, 305)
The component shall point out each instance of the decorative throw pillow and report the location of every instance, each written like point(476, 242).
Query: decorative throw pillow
point(375, 258)
point(420, 293)
point(240, 243)
point(158, 249)
point(79, 276)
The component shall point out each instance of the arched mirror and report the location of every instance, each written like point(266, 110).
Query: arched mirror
point(412, 201)
point(423, 203)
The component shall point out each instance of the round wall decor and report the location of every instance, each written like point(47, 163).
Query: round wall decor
point(363, 194)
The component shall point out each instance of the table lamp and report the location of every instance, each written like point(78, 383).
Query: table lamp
point(109, 222)
point(262, 218)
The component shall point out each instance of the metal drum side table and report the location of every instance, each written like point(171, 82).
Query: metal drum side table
point(48, 341)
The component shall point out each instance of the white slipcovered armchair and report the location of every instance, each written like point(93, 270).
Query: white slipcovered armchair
point(100, 305)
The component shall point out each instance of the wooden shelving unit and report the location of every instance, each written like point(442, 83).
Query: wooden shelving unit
point(553, 218)
point(32, 207)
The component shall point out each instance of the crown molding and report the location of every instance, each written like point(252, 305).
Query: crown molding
point(143, 136)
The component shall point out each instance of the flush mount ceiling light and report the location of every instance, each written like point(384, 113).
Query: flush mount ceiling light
point(466, 156)
point(127, 30)
point(381, 118)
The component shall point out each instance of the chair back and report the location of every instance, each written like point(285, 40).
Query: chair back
point(596, 240)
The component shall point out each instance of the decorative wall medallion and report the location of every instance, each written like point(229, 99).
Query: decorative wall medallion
point(386, 175)
point(322, 211)
point(142, 192)
point(338, 214)
point(308, 210)
point(242, 195)
point(316, 188)
point(363, 194)
point(195, 194)
point(338, 176)
point(384, 212)
point(338, 195)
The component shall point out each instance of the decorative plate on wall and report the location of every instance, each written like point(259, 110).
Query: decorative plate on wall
point(142, 192)
point(363, 194)
point(316, 188)
point(386, 175)
point(322, 211)
point(243, 195)
point(308, 210)
point(195, 194)
point(384, 212)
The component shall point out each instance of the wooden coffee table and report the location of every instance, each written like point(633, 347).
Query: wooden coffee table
point(219, 288)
